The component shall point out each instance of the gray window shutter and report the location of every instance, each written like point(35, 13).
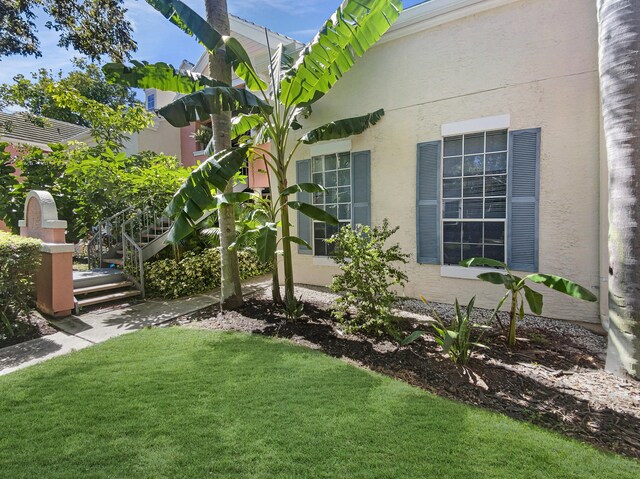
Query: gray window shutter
point(361, 187)
point(428, 203)
point(303, 175)
point(522, 213)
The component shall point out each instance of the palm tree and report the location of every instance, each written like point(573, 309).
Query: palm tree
point(296, 81)
point(230, 288)
point(619, 44)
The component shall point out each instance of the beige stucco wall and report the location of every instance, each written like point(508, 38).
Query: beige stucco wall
point(161, 138)
point(533, 59)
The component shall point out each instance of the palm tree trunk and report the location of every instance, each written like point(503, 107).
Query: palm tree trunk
point(619, 44)
point(230, 288)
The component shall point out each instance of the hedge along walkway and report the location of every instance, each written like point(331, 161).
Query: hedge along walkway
point(184, 403)
point(82, 331)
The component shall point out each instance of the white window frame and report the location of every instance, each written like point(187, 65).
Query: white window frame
point(325, 152)
point(459, 129)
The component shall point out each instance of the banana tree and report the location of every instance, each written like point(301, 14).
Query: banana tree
point(519, 291)
point(296, 80)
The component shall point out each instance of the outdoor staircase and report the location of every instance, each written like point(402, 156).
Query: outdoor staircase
point(116, 253)
point(102, 285)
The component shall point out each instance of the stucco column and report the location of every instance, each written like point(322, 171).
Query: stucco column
point(54, 278)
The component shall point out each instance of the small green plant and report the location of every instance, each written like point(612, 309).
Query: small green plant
point(455, 339)
point(293, 309)
point(368, 274)
point(519, 291)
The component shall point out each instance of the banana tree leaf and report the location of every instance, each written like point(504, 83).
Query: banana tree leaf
point(314, 212)
point(266, 242)
point(534, 299)
point(343, 128)
point(563, 285)
point(194, 196)
point(281, 61)
point(209, 101)
point(189, 22)
point(306, 187)
point(483, 262)
point(194, 25)
point(238, 58)
point(242, 123)
point(495, 278)
point(157, 75)
point(297, 240)
point(354, 28)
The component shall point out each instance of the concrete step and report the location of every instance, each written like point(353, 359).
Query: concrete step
point(102, 287)
point(118, 261)
point(94, 277)
point(107, 298)
point(150, 235)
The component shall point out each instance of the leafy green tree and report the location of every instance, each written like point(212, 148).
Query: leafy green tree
point(92, 183)
point(36, 97)
point(92, 27)
point(84, 98)
point(296, 81)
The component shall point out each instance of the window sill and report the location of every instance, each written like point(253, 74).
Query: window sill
point(460, 272)
point(324, 261)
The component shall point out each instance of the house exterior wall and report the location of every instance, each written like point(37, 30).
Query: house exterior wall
point(535, 60)
point(161, 138)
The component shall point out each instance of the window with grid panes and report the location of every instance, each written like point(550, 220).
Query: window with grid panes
point(474, 196)
point(334, 173)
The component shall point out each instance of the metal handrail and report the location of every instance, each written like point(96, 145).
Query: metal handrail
point(132, 263)
point(96, 244)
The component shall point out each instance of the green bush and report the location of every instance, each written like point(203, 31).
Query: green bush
point(19, 260)
point(368, 273)
point(194, 273)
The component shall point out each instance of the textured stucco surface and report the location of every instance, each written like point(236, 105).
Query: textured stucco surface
point(535, 60)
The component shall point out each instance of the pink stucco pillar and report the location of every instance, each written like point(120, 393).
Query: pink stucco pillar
point(54, 278)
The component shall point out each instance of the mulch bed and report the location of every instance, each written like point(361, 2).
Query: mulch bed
point(547, 379)
point(35, 327)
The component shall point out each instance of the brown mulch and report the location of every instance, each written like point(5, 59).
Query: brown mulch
point(548, 380)
point(35, 327)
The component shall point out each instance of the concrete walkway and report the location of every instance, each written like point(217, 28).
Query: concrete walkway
point(84, 330)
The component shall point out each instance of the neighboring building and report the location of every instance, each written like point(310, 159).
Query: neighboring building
point(16, 129)
point(491, 145)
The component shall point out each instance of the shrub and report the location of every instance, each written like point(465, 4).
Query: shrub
point(19, 260)
point(368, 273)
point(194, 273)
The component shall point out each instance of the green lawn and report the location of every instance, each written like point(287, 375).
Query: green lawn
point(188, 403)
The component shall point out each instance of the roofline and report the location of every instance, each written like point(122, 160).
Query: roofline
point(257, 32)
point(437, 12)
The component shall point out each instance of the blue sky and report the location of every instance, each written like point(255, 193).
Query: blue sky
point(158, 40)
